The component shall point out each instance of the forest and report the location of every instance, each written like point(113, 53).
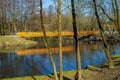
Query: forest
point(23, 15)
point(63, 15)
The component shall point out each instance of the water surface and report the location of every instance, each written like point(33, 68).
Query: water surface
point(35, 60)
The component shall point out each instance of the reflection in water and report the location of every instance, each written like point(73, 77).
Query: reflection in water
point(13, 64)
point(55, 50)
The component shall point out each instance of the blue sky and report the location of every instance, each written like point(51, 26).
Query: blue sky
point(46, 3)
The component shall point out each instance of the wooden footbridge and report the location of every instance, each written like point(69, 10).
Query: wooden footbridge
point(52, 34)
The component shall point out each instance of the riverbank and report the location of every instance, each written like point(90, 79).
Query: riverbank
point(91, 73)
point(6, 41)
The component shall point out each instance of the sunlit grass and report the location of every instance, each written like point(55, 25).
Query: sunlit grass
point(12, 43)
point(116, 57)
point(66, 74)
point(14, 40)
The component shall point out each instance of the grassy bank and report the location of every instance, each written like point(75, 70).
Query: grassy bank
point(116, 57)
point(87, 74)
point(6, 41)
point(67, 75)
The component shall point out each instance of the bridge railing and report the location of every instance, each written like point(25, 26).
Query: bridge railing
point(64, 33)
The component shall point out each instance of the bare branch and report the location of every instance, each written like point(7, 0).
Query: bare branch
point(107, 14)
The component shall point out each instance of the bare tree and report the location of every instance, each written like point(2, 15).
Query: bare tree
point(115, 9)
point(60, 37)
point(78, 73)
point(110, 63)
point(14, 18)
point(2, 17)
point(47, 42)
point(117, 16)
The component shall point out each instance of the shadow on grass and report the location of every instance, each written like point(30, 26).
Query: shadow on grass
point(51, 76)
point(117, 63)
point(64, 78)
point(37, 71)
point(33, 77)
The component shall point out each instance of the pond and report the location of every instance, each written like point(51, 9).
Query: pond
point(35, 60)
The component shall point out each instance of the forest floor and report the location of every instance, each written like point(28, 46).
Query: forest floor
point(100, 72)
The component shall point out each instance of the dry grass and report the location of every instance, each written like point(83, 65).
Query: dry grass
point(14, 40)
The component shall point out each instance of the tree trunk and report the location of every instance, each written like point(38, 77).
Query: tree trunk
point(60, 38)
point(47, 42)
point(78, 73)
point(32, 12)
point(0, 29)
point(14, 23)
point(117, 16)
point(25, 26)
point(14, 19)
point(110, 63)
point(3, 19)
point(3, 26)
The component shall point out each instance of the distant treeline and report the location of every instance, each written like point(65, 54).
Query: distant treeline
point(23, 15)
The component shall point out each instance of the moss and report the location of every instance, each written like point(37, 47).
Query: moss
point(116, 57)
point(69, 74)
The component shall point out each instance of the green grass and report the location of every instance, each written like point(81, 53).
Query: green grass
point(116, 57)
point(12, 43)
point(19, 78)
point(14, 40)
point(4, 39)
point(67, 74)
point(44, 77)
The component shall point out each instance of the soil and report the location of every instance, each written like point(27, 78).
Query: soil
point(103, 73)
